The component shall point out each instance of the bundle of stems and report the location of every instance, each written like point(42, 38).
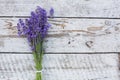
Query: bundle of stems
point(38, 56)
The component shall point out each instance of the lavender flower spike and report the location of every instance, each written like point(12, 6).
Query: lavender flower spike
point(51, 12)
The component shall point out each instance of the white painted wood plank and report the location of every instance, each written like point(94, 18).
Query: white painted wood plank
point(86, 27)
point(66, 35)
point(63, 8)
point(60, 66)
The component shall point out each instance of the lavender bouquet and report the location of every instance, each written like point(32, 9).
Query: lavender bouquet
point(35, 29)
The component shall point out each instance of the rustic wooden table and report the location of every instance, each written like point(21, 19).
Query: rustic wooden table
point(83, 42)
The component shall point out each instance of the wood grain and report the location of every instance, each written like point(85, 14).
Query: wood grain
point(60, 66)
point(63, 8)
point(66, 35)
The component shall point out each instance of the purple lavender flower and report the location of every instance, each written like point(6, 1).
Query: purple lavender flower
point(51, 12)
point(36, 26)
point(18, 27)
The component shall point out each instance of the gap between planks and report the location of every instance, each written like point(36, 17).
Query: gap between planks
point(62, 53)
point(63, 17)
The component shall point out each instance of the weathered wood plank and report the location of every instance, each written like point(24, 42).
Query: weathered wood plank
point(63, 8)
point(60, 66)
point(66, 35)
point(85, 27)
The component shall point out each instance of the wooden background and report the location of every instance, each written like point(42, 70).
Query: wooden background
point(82, 44)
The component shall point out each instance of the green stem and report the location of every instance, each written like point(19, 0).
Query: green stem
point(38, 76)
point(38, 56)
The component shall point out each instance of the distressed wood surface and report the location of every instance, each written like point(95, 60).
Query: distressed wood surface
point(66, 35)
point(63, 8)
point(60, 66)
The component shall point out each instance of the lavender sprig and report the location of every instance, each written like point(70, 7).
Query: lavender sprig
point(51, 12)
point(35, 29)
